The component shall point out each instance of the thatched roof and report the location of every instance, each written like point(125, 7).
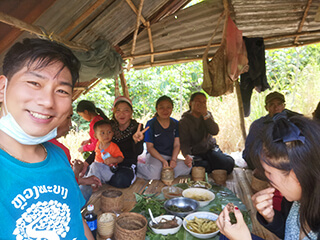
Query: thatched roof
point(176, 34)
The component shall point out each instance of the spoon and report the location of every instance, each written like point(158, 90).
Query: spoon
point(154, 222)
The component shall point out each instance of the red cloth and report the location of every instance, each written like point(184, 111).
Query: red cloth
point(93, 141)
point(63, 147)
point(277, 199)
point(237, 61)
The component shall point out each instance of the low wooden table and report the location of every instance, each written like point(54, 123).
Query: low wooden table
point(239, 182)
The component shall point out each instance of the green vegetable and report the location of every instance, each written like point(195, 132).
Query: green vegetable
point(145, 201)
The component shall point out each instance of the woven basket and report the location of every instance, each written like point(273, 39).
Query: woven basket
point(219, 176)
point(198, 173)
point(167, 176)
point(130, 226)
point(106, 229)
point(111, 201)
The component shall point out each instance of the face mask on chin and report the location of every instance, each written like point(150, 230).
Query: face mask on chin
point(9, 126)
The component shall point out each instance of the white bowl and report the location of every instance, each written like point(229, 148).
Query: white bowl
point(166, 231)
point(207, 215)
point(193, 192)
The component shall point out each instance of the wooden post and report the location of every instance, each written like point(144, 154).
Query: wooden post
point(241, 111)
point(124, 85)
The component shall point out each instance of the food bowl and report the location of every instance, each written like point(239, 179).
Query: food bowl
point(181, 206)
point(205, 215)
point(171, 192)
point(203, 196)
point(166, 231)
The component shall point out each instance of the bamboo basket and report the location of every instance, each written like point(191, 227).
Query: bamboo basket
point(130, 226)
point(219, 176)
point(198, 173)
point(111, 201)
point(106, 229)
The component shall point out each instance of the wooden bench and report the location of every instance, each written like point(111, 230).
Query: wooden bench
point(239, 182)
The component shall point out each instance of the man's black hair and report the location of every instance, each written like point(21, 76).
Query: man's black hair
point(43, 52)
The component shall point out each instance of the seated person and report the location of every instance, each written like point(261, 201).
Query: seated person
point(196, 128)
point(288, 153)
point(163, 144)
point(108, 154)
point(275, 103)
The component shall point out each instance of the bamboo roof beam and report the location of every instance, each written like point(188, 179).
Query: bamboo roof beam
point(305, 14)
point(150, 41)
point(164, 63)
point(133, 7)
point(135, 33)
point(38, 31)
point(84, 17)
point(218, 44)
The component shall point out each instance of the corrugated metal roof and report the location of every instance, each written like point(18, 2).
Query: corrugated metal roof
point(181, 33)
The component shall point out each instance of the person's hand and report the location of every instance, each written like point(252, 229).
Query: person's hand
point(84, 169)
point(85, 142)
point(77, 167)
point(173, 163)
point(139, 135)
point(93, 181)
point(165, 164)
point(80, 149)
point(188, 161)
point(237, 231)
point(263, 202)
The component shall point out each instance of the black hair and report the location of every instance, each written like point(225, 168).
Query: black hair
point(100, 123)
point(164, 98)
point(43, 52)
point(90, 107)
point(161, 99)
point(192, 97)
point(115, 108)
point(302, 157)
point(316, 113)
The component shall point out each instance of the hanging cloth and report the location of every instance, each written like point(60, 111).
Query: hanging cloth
point(228, 62)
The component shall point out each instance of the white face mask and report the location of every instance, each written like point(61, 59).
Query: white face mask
point(9, 126)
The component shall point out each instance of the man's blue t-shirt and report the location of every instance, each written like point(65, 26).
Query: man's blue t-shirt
point(162, 139)
point(40, 200)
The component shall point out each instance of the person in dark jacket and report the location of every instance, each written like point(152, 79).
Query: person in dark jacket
point(274, 104)
point(197, 128)
point(288, 152)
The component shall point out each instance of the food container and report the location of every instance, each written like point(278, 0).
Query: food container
point(167, 175)
point(186, 206)
point(203, 196)
point(206, 215)
point(171, 192)
point(166, 231)
point(198, 173)
point(258, 184)
point(106, 224)
point(111, 201)
point(219, 176)
point(130, 226)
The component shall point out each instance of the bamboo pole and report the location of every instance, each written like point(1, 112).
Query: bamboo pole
point(218, 44)
point(36, 30)
point(93, 85)
point(150, 41)
point(124, 86)
point(135, 33)
point(133, 7)
point(241, 111)
point(305, 14)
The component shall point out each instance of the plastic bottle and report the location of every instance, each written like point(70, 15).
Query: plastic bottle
point(91, 219)
point(105, 155)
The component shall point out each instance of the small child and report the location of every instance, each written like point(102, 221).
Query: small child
point(108, 154)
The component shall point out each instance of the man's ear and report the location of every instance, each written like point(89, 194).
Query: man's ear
point(3, 80)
